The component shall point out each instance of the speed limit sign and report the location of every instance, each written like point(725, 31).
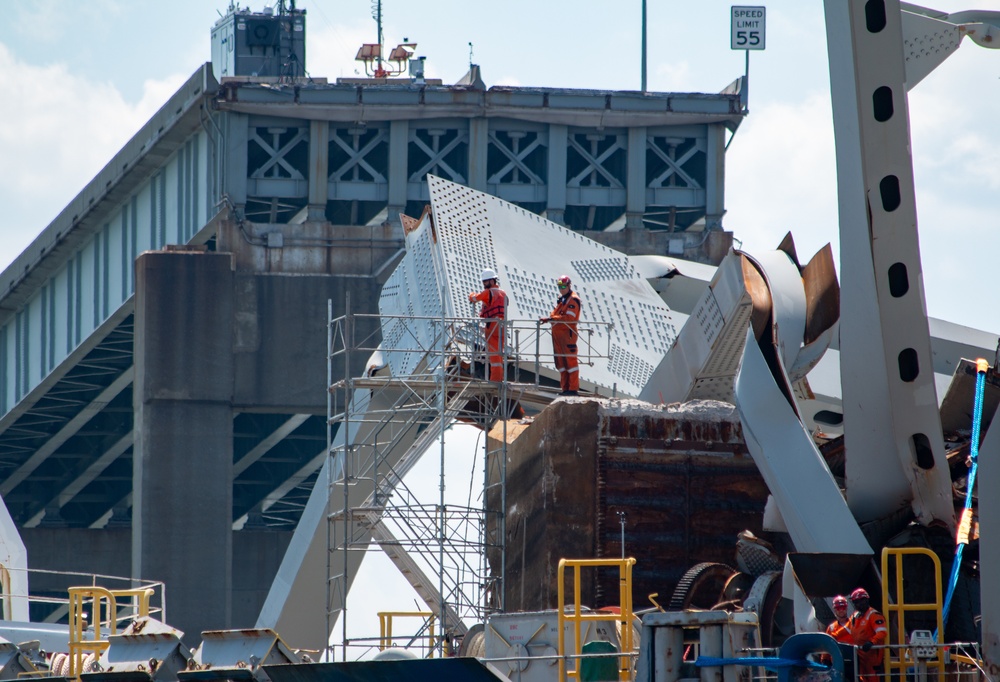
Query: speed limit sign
point(747, 32)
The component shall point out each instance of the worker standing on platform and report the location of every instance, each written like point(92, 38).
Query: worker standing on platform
point(840, 628)
point(564, 336)
point(868, 630)
point(494, 311)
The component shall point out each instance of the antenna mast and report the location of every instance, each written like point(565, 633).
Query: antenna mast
point(644, 45)
point(377, 16)
point(371, 53)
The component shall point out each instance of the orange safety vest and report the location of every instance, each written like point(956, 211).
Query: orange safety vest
point(494, 303)
point(869, 627)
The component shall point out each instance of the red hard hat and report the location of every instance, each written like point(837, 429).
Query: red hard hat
point(859, 593)
point(840, 600)
point(563, 281)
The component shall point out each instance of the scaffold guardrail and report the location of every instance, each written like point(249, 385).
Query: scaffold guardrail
point(445, 383)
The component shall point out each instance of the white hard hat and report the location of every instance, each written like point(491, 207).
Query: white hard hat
point(488, 274)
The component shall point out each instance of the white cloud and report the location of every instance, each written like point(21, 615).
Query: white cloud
point(68, 127)
point(331, 50)
point(952, 118)
point(780, 177)
point(676, 77)
point(51, 22)
point(511, 81)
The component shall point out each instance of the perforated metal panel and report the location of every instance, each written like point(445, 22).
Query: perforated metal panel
point(411, 292)
point(472, 231)
point(709, 316)
point(476, 231)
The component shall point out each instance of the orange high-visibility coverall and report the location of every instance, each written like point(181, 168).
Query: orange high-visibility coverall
point(564, 340)
point(840, 632)
point(869, 627)
point(494, 311)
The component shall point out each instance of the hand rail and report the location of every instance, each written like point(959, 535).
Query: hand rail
point(623, 619)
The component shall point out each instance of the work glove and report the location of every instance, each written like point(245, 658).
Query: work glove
point(866, 647)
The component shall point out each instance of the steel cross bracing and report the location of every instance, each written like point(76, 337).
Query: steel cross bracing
point(674, 159)
point(440, 150)
point(387, 432)
point(356, 146)
point(596, 156)
point(277, 171)
point(516, 157)
point(278, 151)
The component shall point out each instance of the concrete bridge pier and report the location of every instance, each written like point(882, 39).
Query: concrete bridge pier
point(183, 461)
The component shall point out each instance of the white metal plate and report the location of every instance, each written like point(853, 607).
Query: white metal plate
point(473, 231)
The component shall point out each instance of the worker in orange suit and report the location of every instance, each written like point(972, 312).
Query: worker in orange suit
point(868, 630)
point(564, 319)
point(494, 311)
point(840, 628)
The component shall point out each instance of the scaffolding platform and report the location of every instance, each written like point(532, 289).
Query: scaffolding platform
point(425, 374)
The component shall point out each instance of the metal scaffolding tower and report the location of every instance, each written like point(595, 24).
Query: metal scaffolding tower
point(384, 424)
point(381, 424)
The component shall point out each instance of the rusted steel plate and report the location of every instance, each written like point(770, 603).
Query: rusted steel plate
point(679, 511)
point(686, 487)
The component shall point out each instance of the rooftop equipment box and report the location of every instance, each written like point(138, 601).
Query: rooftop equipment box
point(264, 44)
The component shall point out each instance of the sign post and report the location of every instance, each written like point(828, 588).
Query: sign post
point(747, 31)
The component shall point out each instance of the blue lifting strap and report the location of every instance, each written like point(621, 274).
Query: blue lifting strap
point(769, 662)
point(965, 524)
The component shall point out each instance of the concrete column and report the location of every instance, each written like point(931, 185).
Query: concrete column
point(235, 154)
point(182, 465)
point(635, 188)
point(319, 169)
point(715, 176)
point(555, 206)
point(399, 139)
point(478, 146)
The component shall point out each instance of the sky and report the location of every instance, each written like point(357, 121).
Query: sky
point(78, 79)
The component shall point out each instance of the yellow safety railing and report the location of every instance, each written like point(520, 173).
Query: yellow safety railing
point(385, 627)
point(104, 607)
point(624, 617)
point(895, 613)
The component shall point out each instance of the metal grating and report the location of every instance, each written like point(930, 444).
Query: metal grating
point(725, 361)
